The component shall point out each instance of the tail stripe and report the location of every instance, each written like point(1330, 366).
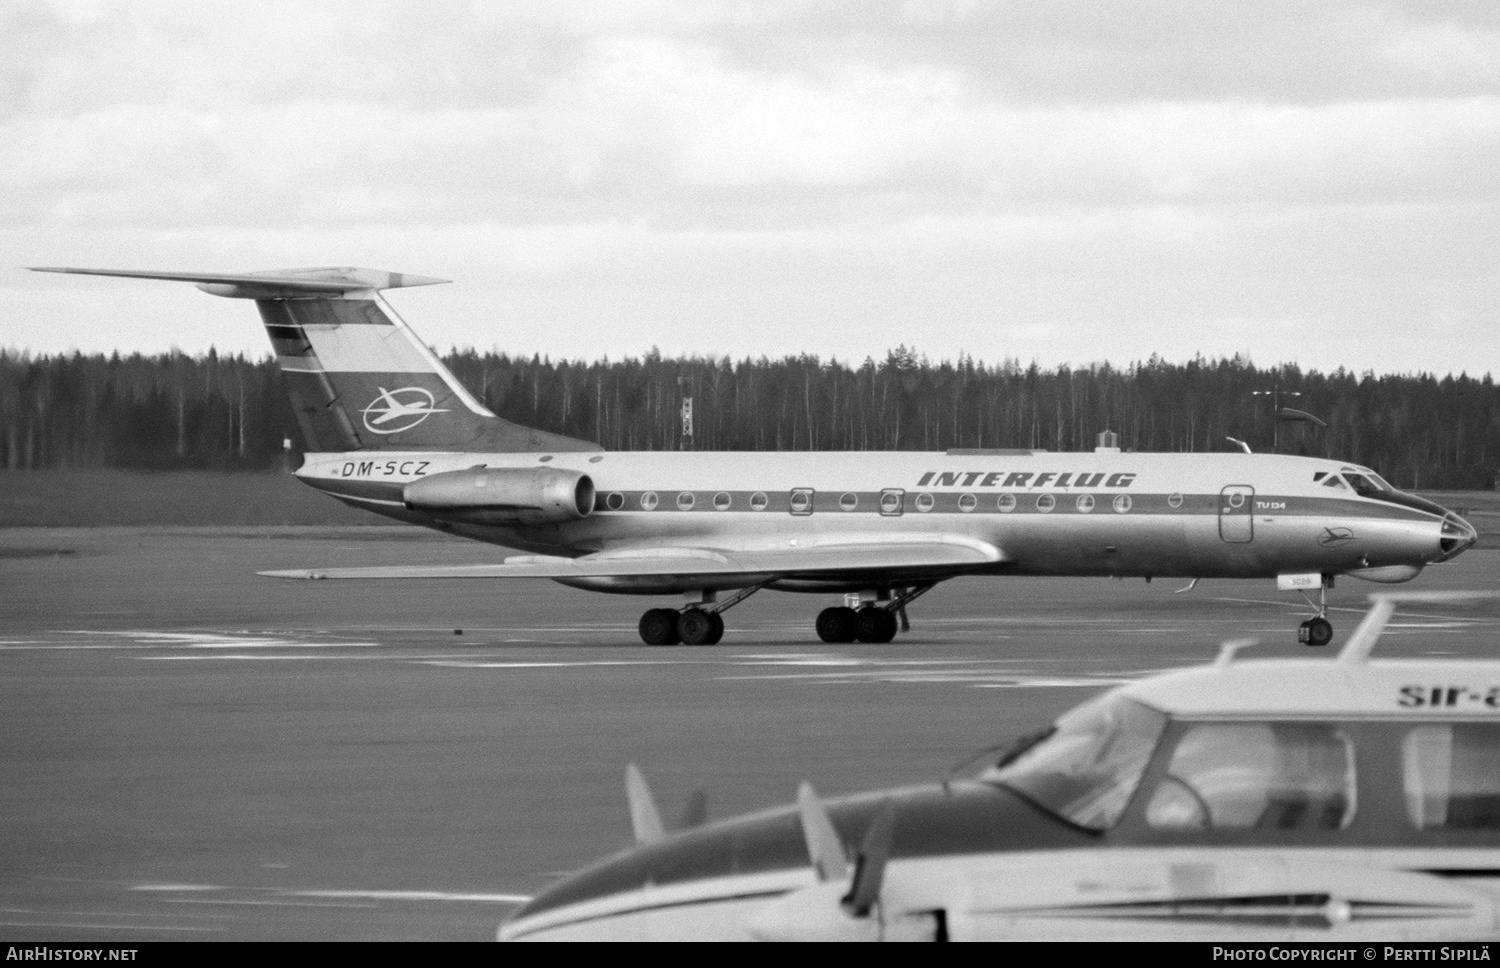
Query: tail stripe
point(436, 365)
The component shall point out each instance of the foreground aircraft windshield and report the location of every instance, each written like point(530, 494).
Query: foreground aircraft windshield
point(1088, 768)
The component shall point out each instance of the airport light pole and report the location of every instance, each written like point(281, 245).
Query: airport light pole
point(1280, 413)
point(1275, 396)
point(685, 385)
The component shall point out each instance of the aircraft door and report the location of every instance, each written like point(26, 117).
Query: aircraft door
point(1236, 524)
point(801, 500)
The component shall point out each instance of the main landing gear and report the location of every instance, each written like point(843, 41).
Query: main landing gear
point(878, 618)
point(874, 622)
point(871, 623)
point(701, 623)
point(691, 626)
point(1317, 631)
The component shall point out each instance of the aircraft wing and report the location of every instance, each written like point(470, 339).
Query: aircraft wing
point(941, 554)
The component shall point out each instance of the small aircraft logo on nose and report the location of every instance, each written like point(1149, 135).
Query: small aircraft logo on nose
point(397, 410)
point(1335, 536)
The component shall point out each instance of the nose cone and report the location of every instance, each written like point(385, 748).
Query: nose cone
point(1457, 537)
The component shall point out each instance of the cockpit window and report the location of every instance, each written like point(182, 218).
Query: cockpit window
point(1335, 481)
point(1266, 776)
point(1087, 769)
point(1363, 486)
point(1451, 773)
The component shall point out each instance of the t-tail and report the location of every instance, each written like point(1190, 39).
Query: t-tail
point(359, 378)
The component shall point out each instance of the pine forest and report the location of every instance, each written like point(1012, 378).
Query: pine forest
point(221, 412)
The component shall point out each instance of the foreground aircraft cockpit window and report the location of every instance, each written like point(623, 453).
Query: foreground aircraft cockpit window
point(1451, 773)
point(1086, 770)
point(1266, 776)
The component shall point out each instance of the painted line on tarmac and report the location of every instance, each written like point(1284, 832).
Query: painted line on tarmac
point(246, 657)
point(752, 660)
point(103, 927)
point(384, 895)
point(1363, 609)
point(328, 894)
point(60, 647)
point(980, 678)
point(485, 664)
point(147, 638)
point(234, 902)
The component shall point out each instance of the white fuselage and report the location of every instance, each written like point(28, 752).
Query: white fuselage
point(1190, 515)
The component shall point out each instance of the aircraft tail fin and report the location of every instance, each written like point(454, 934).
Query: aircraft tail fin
point(359, 378)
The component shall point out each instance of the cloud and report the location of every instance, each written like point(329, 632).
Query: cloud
point(1101, 179)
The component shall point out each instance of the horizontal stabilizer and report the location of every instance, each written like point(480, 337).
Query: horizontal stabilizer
point(841, 557)
point(276, 284)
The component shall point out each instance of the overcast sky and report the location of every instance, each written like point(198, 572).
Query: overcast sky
point(1304, 182)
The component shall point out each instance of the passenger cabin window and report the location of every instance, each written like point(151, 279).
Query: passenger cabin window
point(1451, 774)
point(1261, 776)
point(1088, 768)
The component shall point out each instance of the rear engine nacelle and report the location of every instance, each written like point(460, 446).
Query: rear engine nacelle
point(490, 495)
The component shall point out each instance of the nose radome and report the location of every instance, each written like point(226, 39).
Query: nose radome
point(1457, 537)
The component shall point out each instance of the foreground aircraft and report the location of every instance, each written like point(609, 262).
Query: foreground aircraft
point(1334, 799)
point(387, 428)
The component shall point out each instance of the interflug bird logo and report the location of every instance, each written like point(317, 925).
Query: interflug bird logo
point(397, 410)
point(1335, 536)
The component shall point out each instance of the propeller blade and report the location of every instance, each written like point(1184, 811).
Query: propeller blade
point(823, 847)
point(645, 819)
point(869, 867)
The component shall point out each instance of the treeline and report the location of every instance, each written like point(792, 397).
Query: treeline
point(225, 412)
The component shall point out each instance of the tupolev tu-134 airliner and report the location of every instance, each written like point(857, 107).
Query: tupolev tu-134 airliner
point(388, 428)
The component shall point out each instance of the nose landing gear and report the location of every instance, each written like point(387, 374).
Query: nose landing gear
point(1317, 631)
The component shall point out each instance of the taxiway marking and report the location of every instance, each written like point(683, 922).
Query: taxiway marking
point(321, 897)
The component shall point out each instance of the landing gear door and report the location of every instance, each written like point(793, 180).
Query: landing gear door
point(1236, 524)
